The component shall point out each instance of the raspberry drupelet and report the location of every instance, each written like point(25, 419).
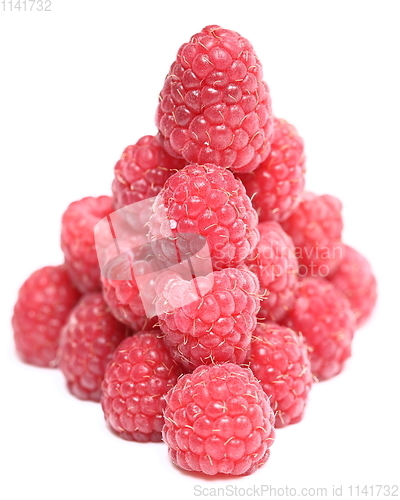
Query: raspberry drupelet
point(354, 277)
point(142, 171)
point(322, 314)
point(77, 240)
point(274, 263)
point(316, 230)
point(209, 319)
point(279, 360)
point(44, 302)
point(87, 343)
point(214, 106)
point(208, 201)
point(276, 186)
point(219, 420)
point(136, 381)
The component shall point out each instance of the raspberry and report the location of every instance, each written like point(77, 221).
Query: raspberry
point(139, 375)
point(279, 360)
point(44, 302)
point(206, 200)
point(322, 314)
point(142, 171)
point(214, 106)
point(77, 240)
point(355, 279)
point(316, 229)
point(219, 420)
point(275, 264)
point(123, 296)
point(209, 319)
point(277, 185)
point(87, 343)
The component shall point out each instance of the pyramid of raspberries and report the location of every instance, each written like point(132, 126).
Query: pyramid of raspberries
point(204, 315)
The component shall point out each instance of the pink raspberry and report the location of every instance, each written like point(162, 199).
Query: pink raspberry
point(219, 420)
point(205, 200)
point(44, 302)
point(316, 229)
point(214, 106)
point(142, 171)
point(87, 343)
point(209, 319)
point(355, 279)
point(323, 315)
point(276, 186)
point(275, 265)
point(123, 295)
point(137, 379)
point(77, 240)
point(279, 360)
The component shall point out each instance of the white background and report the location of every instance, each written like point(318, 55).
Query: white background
point(80, 83)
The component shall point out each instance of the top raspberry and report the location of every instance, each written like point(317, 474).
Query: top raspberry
point(214, 106)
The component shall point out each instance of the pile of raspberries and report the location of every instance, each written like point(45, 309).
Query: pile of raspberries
point(231, 351)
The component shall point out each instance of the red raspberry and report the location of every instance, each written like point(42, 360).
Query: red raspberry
point(279, 360)
point(142, 171)
point(214, 106)
point(322, 314)
point(44, 302)
point(87, 343)
point(209, 319)
point(219, 420)
point(316, 229)
point(206, 200)
point(275, 264)
point(139, 375)
point(355, 279)
point(77, 240)
point(123, 295)
point(277, 185)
